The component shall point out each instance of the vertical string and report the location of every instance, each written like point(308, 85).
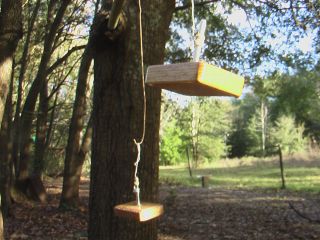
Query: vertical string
point(142, 75)
point(192, 17)
point(136, 185)
point(193, 28)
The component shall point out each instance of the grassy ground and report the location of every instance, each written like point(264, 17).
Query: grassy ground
point(302, 173)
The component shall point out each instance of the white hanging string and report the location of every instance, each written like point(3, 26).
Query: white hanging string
point(197, 39)
point(136, 184)
point(193, 28)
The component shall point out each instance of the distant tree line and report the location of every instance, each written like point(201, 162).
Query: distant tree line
point(279, 110)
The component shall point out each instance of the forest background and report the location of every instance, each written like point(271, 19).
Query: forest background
point(47, 120)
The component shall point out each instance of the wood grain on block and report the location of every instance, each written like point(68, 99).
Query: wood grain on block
point(146, 211)
point(195, 79)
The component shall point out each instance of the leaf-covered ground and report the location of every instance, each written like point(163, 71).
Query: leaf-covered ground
point(190, 214)
point(196, 213)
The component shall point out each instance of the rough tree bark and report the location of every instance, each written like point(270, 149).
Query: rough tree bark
point(1, 223)
point(5, 152)
point(117, 119)
point(5, 159)
point(72, 164)
point(10, 33)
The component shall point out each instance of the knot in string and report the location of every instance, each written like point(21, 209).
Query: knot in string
point(136, 183)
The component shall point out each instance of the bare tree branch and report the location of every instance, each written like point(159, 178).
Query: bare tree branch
point(64, 58)
point(57, 87)
point(302, 215)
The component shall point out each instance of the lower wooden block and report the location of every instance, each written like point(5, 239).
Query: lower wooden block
point(146, 211)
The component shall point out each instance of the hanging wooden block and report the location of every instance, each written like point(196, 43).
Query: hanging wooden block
point(146, 211)
point(195, 79)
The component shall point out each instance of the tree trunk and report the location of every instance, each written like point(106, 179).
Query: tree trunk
point(195, 127)
point(72, 174)
point(52, 117)
point(23, 68)
point(1, 223)
point(10, 34)
point(41, 132)
point(72, 164)
point(263, 116)
point(283, 181)
point(5, 153)
point(29, 106)
point(118, 119)
point(189, 162)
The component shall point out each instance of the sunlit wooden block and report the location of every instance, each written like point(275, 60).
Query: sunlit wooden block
point(144, 212)
point(195, 79)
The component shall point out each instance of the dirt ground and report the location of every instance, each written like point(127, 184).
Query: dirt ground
point(207, 214)
point(190, 214)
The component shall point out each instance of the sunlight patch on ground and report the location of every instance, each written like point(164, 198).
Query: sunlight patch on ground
point(168, 237)
point(300, 174)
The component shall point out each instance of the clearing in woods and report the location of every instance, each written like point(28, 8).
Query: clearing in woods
point(191, 213)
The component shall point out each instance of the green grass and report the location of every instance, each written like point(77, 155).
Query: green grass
point(302, 175)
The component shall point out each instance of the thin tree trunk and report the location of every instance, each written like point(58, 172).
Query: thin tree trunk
point(195, 125)
point(73, 165)
point(189, 162)
point(41, 132)
point(283, 181)
point(70, 198)
point(263, 116)
point(52, 116)
point(29, 106)
point(86, 143)
point(197, 140)
point(118, 119)
point(23, 67)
